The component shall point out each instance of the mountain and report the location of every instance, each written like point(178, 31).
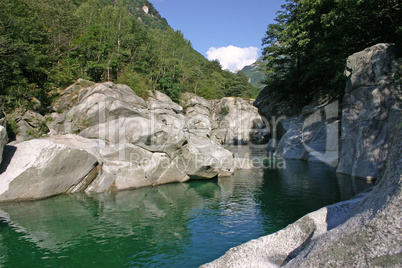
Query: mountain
point(46, 45)
point(146, 13)
point(254, 74)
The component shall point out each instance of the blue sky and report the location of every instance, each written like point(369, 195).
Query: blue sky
point(227, 30)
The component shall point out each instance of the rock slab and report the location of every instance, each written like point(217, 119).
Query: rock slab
point(372, 110)
point(362, 232)
point(38, 169)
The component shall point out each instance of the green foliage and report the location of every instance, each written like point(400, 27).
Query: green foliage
point(12, 128)
point(308, 45)
point(37, 132)
point(23, 59)
point(224, 111)
point(46, 45)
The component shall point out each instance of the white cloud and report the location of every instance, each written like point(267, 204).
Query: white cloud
point(233, 58)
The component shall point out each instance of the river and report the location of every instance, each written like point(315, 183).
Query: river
point(173, 225)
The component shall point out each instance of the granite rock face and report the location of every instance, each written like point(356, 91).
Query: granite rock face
point(366, 230)
point(28, 124)
point(124, 166)
point(372, 110)
point(229, 120)
point(136, 142)
point(362, 232)
point(38, 169)
point(312, 136)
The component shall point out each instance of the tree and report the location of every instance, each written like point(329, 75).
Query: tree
point(23, 57)
point(307, 47)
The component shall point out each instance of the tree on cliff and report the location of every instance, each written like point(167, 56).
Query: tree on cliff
point(308, 45)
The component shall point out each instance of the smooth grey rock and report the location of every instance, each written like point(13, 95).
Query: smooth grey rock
point(362, 232)
point(3, 121)
point(201, 158)
point(235, 121)
point(291, 146)
point(372, 110)
point(273, 250)
point(160, 102)
point(3, 141)
point(29, 125)
point(226, 121)
point(96, 104)
point(311, 137)
point(124, 166)
point(38, 169)
point(191, 100)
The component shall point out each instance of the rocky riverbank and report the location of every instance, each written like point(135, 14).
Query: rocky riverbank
point(364, 231)
point(103, 137)
point(358, 133)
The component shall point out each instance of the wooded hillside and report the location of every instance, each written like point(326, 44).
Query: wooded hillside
point(45, 45)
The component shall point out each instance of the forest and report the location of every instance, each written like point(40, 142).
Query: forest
point(307, 46)
point(46, 45)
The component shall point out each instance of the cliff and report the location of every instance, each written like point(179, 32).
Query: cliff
point(364, 231)
point(358, 133)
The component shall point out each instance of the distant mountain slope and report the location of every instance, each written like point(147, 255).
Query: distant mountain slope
point(146, 13)
point(254, 74)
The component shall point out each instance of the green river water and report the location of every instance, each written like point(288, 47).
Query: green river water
point(174, 225)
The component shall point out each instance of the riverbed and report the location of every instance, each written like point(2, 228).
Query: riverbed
point(173, 225)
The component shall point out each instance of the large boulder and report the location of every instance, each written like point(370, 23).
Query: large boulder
point(115, 114)
point(26, 125)
point(38, 169)
point(85, 104)
point(371, 111)
point(312, 136)
point(226, 121)
point(161, 103)
point(197, 111)
point(3, 141)
point(124, 166)
point(201, 158)
point(362, 232)
point(236, 121)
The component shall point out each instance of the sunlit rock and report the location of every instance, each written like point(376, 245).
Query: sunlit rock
point(372, 110)
point(38, 169)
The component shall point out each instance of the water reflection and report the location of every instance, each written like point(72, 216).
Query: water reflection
point(170, 225)
point(300, 188)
